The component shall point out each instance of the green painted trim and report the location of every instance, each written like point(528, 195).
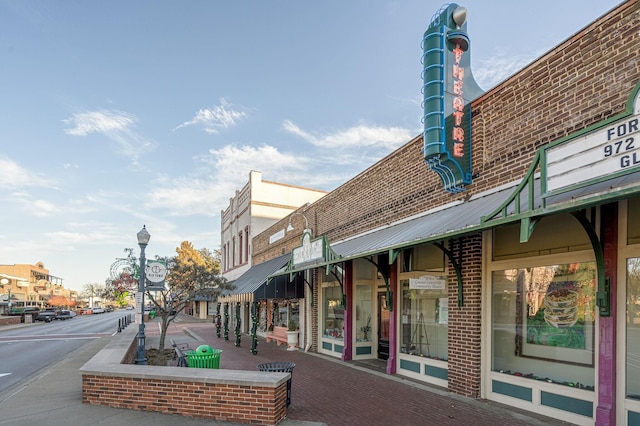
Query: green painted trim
point(385, 272)
point(514, 391)
point(633, 418)
point(603, 295)
point(437, 372)
point(338, 348)
point(410, 366)
point(540, 162)
point(566, 403)
point(363, 350)
point(457, 268)
point(527, 225)
point(327, 346)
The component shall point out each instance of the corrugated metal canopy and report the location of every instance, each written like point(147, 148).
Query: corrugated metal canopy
point(456, 219)
point(255, 277)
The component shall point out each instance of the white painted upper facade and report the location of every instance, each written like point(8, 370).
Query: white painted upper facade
point(254, 208)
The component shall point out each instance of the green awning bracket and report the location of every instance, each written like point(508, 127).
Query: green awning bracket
point(332, 271)
point(527, 225)
point(603, 294)
point(383, 269)
point(456, 267)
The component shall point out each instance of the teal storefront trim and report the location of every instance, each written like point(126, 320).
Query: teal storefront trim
point(440, 373)
point(633, 418)
point(566, 403)
point(513, 391)
point(410, 365)
point(338, 348)
point(363, 350)
point(327, 346)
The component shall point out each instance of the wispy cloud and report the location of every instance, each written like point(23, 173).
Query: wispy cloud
point(12, 175)
point(217, 118)
point(219, 174)
point(489, 72)
point(118, 126)
point(31, 206)
point(359, 136)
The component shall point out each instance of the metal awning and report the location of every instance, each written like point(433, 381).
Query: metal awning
point(434, 225)
point(251, 281)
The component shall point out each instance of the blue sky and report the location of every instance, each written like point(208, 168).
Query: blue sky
point(115, 114)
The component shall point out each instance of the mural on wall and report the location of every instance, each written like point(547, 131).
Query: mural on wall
point(448, 89)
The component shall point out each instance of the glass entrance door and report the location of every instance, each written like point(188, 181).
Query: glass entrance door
point(383, 327)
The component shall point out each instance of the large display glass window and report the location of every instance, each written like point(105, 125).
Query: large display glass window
point(543, 322)
point(424, 318)
point(633, 329)
point(333, 311)
point(363, 313)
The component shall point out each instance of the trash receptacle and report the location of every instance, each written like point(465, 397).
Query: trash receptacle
point(204, 357)
point(152, 314)
point(280, 367)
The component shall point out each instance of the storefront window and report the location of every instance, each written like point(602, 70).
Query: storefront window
point(363, 313)
point(633, 328)
point(543, 323)
point(425, 313)
point(333, 312)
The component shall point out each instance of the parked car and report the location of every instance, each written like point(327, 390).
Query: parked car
point(46, 316)
point(97, 310)
point(63, 314)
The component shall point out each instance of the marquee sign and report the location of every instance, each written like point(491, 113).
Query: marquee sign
point(448, 89)
point(612, 149)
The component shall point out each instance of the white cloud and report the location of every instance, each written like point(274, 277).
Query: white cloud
point(214, 119)
point(222, 172)
point(31, 206)
point(116, 125)
point(12, 175)
point(489, 72)
point(359, 136)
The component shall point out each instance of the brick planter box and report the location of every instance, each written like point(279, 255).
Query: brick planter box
point(225, 395)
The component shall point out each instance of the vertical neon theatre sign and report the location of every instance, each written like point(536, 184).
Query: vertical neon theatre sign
point(448, 89)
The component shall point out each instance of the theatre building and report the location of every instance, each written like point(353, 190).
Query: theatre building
point(497, 254)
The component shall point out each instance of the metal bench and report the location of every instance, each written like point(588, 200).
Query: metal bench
point(179, 352)
point(279, 334)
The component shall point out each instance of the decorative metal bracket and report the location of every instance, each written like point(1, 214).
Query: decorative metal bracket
point(383, 269)
point(603, 294)
point(456, 267)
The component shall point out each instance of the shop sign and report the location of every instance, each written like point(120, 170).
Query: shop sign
point(309, 251)
point(155, 273)
point(276, 237)
point(448, 89)
point(613, 149)
point(427, 282)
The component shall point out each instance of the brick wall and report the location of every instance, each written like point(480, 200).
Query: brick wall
point(223, 395)
point(222, 402)
point(586, 79)
point(465, 321)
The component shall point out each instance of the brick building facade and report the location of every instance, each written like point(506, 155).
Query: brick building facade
point(517, 289)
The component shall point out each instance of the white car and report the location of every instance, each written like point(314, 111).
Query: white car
point(97, 310)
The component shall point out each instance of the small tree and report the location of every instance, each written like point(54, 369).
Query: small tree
point(59, 302)
point(190, 273)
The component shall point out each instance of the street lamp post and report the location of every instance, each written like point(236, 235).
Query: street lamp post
point(143, 240)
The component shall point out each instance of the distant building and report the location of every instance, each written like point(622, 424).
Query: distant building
point(30, 285)
point(254, 208)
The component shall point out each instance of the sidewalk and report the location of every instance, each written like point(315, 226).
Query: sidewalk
point(324, 391)
point(327, 390)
